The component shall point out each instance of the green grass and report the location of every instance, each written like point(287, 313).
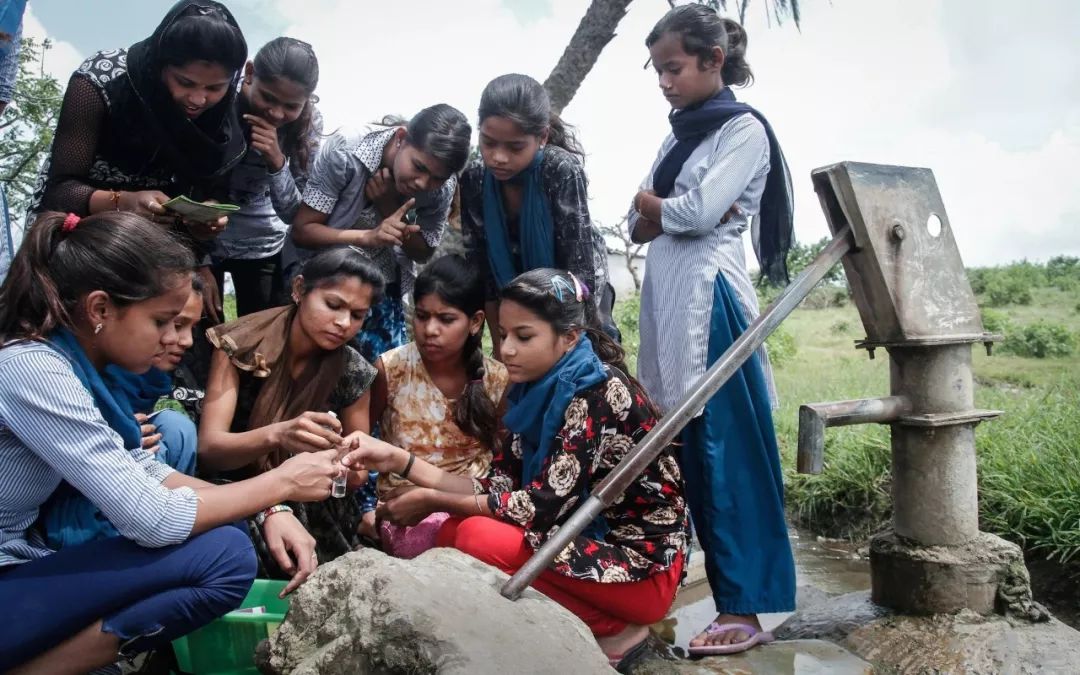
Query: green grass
point(1028, 460)
point(229, 305)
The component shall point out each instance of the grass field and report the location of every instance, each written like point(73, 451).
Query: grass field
point(1029, 459)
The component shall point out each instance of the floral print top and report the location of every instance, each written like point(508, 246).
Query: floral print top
point(419, 418)
point(648, 524)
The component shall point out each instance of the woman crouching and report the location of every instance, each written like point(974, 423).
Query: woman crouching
point(573, 414)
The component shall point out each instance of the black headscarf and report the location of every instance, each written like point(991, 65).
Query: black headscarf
point(205, 147)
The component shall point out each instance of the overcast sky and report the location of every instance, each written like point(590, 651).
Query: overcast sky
point(984, 92)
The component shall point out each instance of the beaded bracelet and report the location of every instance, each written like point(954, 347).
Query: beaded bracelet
point(261, 516)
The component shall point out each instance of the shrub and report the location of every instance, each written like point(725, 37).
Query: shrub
point(995, 321)
point(1007, 289)
point(781, 347)
point(626, 314)
point(1063, 271)
point(840, 327)
point(1040, 340)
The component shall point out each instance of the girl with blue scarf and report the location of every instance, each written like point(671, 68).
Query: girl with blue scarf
point(573, 414)
point(170, 436)
point(526, 206)
point(84, 295)
point(720, 166)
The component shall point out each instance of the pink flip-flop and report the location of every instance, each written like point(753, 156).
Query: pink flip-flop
point(757, 637)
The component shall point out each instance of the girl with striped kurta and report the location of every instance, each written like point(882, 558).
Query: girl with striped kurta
point(720, 166)
point(83, 295)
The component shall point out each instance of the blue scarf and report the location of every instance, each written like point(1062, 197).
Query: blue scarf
point(141, 391)
point(536, 231)
point(115, 409)
point(537, 409)
point(776, 219)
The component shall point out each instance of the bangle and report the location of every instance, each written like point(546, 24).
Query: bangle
point(114, 197)
point(479, 509)
point(261, 516)
point(408, 466)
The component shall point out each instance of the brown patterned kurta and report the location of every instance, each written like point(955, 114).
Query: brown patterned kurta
point(420, 419)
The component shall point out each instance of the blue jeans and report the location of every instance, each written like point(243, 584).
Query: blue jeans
point(734, 486)
point(179, 441)
point(145, 596)
point(70, 519)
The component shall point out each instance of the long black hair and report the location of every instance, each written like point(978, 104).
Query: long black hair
point(461, 286)
point(702, 30)
point(293, 60)
point(118, 252)
point(525, 102)
point(562, 300)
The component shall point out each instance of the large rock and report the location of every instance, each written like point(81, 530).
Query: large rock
point(367, 613)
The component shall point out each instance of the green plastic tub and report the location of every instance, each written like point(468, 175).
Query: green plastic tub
point(227, 645)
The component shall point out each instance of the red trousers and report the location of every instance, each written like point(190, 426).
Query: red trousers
point(606, 609)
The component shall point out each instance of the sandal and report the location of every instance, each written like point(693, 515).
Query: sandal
point(649, 649)
point(757, 637)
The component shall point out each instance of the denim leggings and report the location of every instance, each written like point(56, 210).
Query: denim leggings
point(145, 596)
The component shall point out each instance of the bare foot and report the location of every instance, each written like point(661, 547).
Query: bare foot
point(620, 643)
point(728, 637)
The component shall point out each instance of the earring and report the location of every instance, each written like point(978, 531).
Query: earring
point(295, 300)
point(97, 328)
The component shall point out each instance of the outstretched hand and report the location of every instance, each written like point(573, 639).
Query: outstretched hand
point(407, 505)
point(292, 547)
point(309, 432)
point(366, 452)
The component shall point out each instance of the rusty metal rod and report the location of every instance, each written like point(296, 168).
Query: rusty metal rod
point(685, 410)
point(815, 417)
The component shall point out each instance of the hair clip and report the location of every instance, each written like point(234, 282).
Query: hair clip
point(560, 284)
point(71, 221)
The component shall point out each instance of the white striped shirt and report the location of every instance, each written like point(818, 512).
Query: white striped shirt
point(728, 167)
point(51, 430)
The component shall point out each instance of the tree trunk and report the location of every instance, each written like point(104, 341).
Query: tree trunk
point(596, 29)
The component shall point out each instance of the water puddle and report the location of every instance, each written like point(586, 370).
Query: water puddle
point(821, 567)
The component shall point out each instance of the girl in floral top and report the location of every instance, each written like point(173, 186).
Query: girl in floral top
point(573, 415)
point(438, 396)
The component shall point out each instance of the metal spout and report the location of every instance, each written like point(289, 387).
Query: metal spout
point(814, 418)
